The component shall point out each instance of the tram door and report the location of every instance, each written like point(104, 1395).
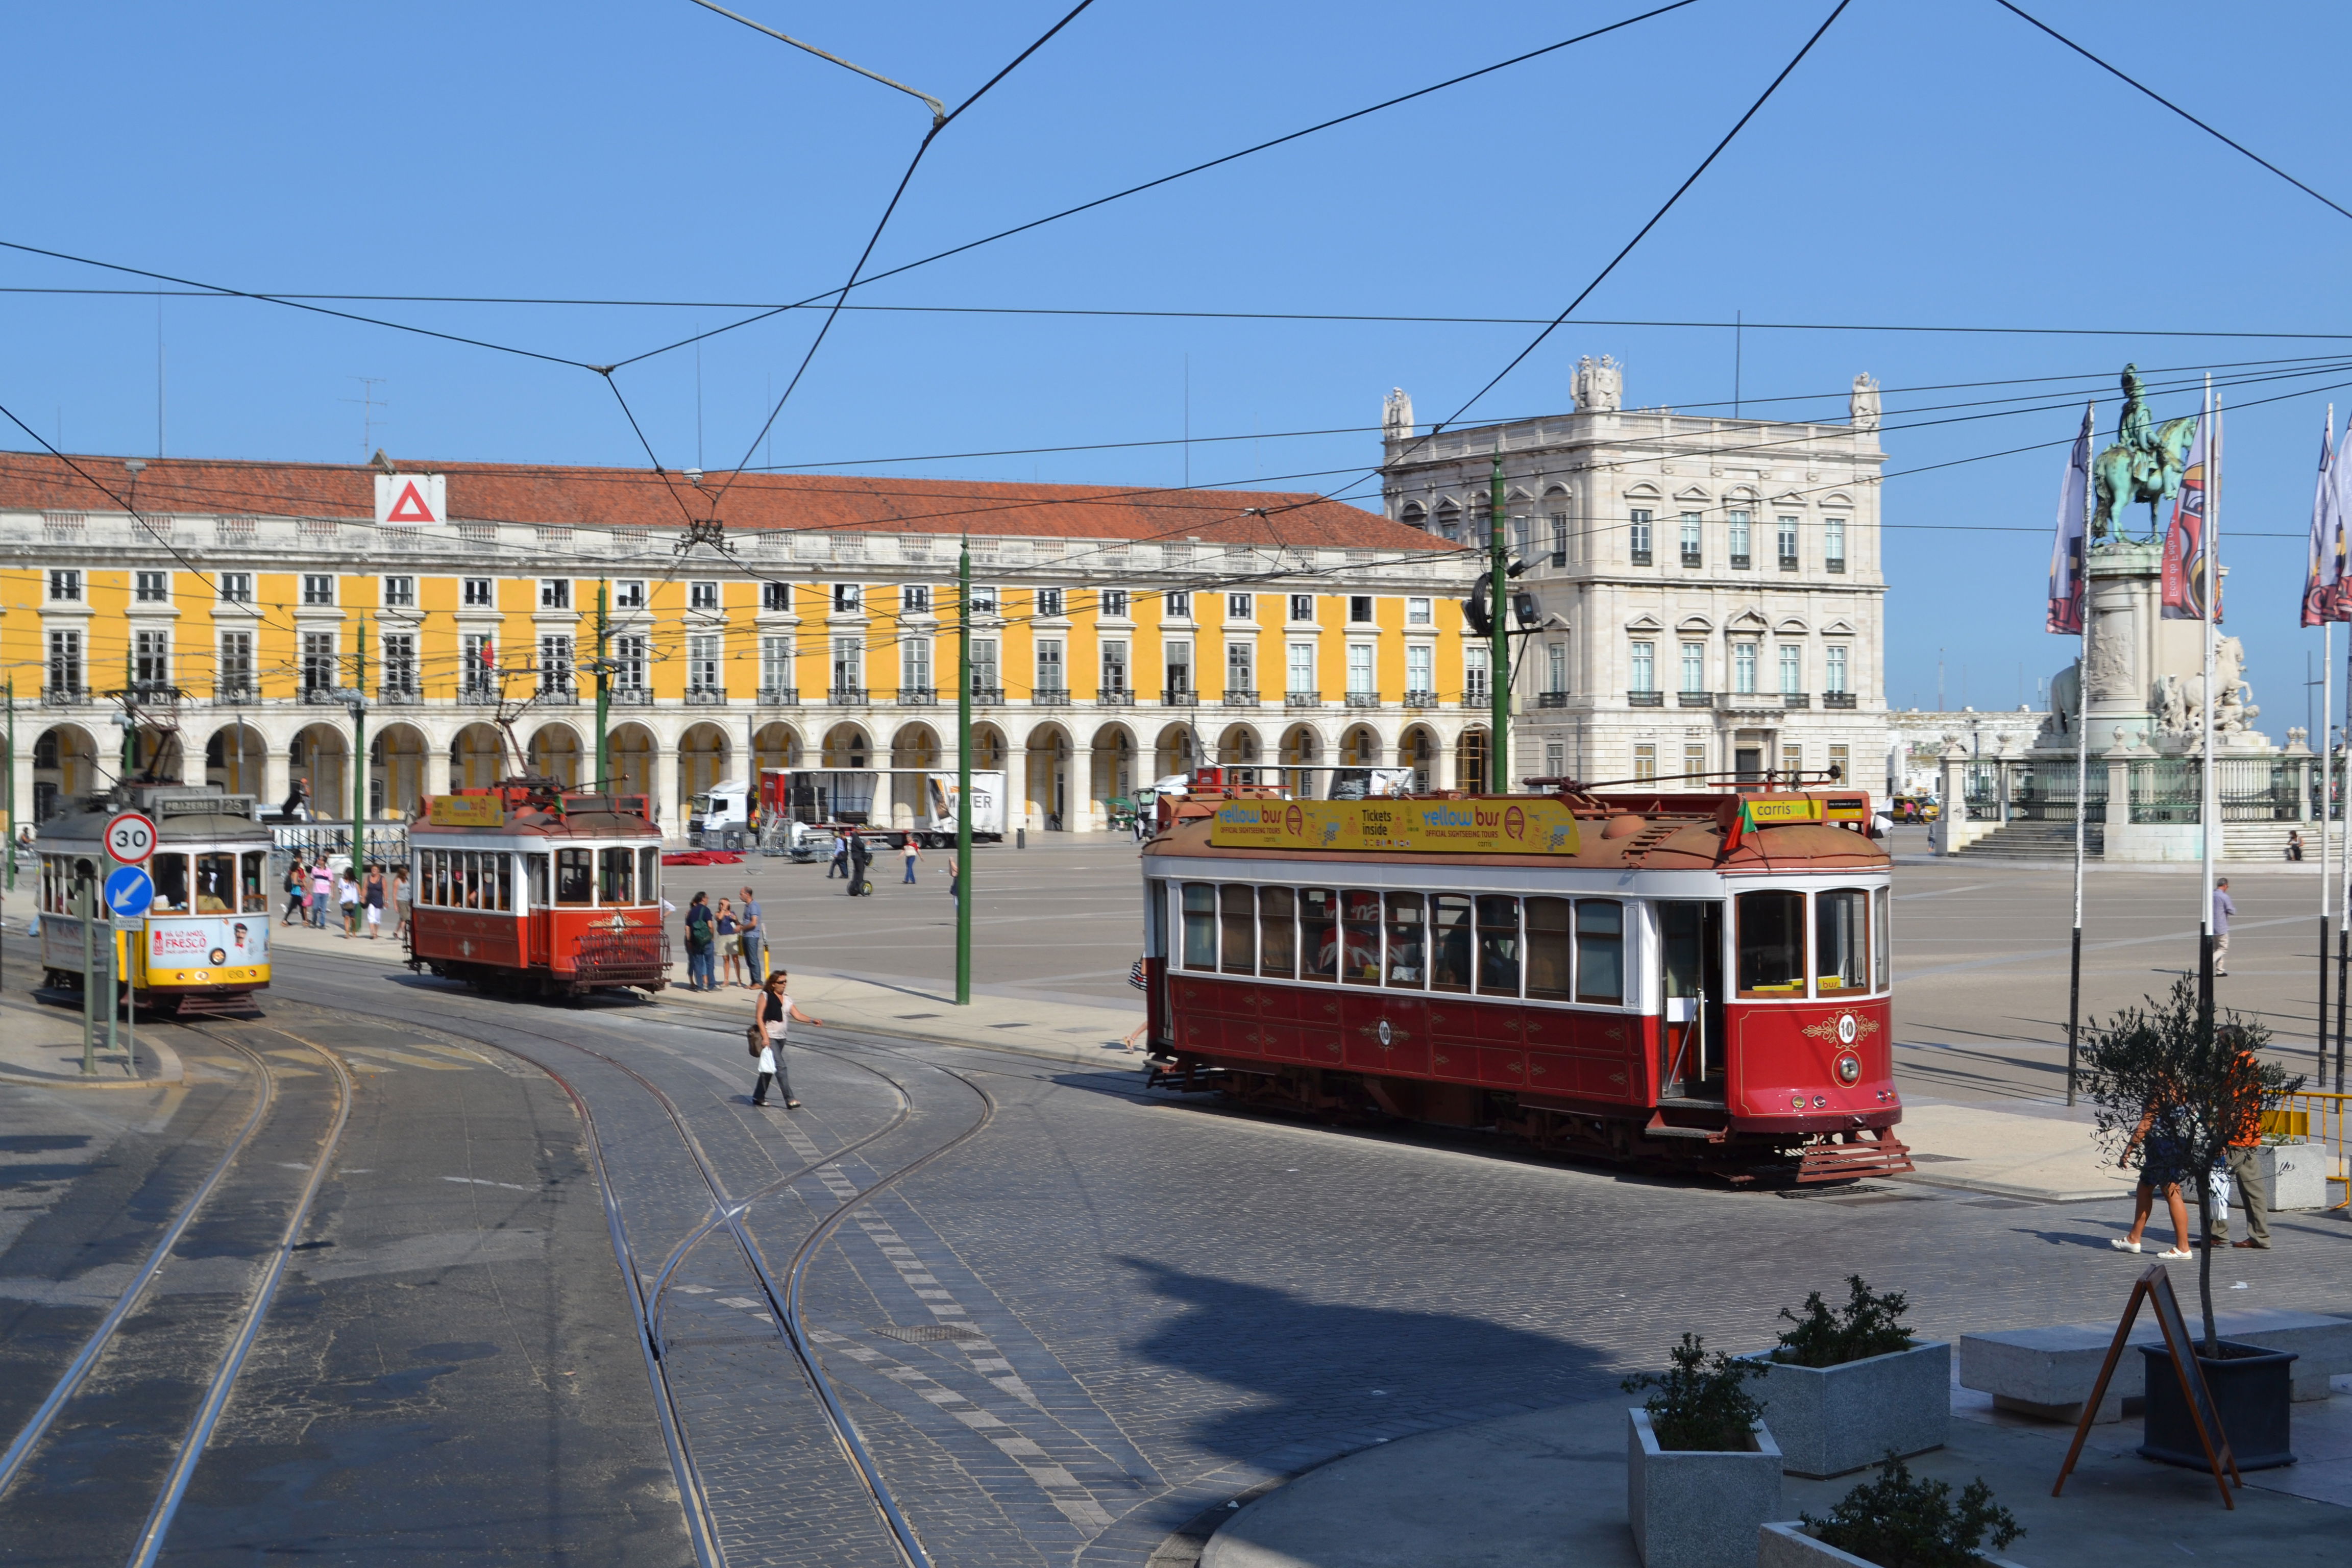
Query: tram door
point(1690, 956)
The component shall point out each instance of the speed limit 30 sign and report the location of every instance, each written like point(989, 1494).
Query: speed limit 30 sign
point(131, 837)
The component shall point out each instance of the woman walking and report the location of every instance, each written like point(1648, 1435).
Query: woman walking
point(298, 889)
point(730, 944)
point(773, 1015)
point(372, 896)
point(2161, 1165)
point(698, 944)
point(399, 902)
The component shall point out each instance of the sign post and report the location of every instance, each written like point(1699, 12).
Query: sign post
point(130, 842)
point(129, 893)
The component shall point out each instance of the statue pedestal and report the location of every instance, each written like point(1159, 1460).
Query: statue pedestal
point(2143, 678)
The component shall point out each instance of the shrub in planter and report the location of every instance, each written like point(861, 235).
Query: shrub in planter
point(1702, 1473)
point(1899, 1522)
point(1852, 1383)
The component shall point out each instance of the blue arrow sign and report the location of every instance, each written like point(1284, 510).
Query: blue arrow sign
point(128, 891)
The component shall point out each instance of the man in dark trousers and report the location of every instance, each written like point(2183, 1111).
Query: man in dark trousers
point(860, 858)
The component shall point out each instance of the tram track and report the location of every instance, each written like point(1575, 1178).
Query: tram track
point(781, 1289)
point(79, 1416)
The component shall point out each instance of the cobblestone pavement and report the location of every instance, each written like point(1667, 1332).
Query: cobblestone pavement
point(1112, 1311)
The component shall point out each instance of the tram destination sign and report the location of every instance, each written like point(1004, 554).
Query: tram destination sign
point(469, 811)
point(1413, 826)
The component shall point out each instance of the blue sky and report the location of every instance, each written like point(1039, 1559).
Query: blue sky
point(1928, 165)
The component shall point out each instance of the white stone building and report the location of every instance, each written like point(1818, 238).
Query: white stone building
point(1709, 591)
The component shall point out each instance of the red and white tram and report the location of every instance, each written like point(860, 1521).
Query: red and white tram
point(525, 887)
point(1688, 980)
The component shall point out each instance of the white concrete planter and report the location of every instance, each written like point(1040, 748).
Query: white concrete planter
point(1699, 1508)
point(2293, 1176)
point(1833, 1419)
point(1788, 1546)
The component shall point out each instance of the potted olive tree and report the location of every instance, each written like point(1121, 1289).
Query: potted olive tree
point(1852, 1384)
point(1702, 1473)
point(2182, 1090)
point(1895, 1522)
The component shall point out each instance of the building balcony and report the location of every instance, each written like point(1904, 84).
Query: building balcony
point(1049, 697)
point(1837, 699)
point(1178, 697)
point(1692, 560)
point(1789, 563)
point(398, 694)
point(1415, 699)
point(779, 697)
point(706, 697)
point(554, 696)
point(632, 696)
point(1694, 699)
point(1115, 697)
point(1551, 699)
point(478, 694)
point(1299, 702)
point(1797, 699)
point(1363, 700)
point(1645, 700)
point(845, 696)
point(1835, 563)
point(1751, 701)
point(319, 697)
point(987, 695)
point(154, 696)
point(919, 697)
point(64, 696)
point(1742, 563)
point(1642, 558)
point(1559, 558)
point(234, 694)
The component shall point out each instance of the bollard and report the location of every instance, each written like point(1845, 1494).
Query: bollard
point(1021, 838)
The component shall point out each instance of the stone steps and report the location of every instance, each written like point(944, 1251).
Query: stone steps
point(2036, 841)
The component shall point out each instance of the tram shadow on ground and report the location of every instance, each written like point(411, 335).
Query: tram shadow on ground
point(1325, 1378)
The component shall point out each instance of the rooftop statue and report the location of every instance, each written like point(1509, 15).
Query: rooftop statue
point(2144, 465)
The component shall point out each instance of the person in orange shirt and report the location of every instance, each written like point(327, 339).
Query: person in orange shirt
point(2241, 1162)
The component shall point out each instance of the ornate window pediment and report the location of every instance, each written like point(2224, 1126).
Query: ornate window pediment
point(1645, 623)
point(1838, 629)
point(1641, 492)
point(1791, 626)
point(1695, 624)
point(1691, 492)
point(1790, 498)
point(1748, 621)
point(1837, 498)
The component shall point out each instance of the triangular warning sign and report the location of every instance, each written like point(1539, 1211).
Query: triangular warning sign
point(409, 507)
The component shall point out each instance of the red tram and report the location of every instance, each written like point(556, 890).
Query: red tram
point(1699, 981)
point(526, 886)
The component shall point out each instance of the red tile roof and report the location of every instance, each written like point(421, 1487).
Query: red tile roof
point(516, 492)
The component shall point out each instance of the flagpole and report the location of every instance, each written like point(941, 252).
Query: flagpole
point(2082, 781)
point(2323, 565)
point(2209, 802)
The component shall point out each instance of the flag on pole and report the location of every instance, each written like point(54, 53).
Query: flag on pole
point(2069, 570)
point(2339, 513)
point(2184, 541)
point(2323, 572)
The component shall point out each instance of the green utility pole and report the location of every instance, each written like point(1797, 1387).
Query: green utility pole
point(963, 777)
point(603, 698)
point(359, 754)
point(8, 784)
point(1499, 654)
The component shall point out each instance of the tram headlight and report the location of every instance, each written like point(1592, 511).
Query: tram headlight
point(1796, 1102)
point(1848, 1068)
point(1821, 1103)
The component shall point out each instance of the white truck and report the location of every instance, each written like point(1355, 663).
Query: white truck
point(797, 811)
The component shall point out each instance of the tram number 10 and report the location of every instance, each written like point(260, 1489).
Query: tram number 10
point(131, 838)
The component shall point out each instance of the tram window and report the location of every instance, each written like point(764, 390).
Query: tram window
point(433, 877)
point(1237, 929)
point(1360, 937)
point(1277, 936)
point(1840, 949)
point(576, 877)
point(216, 883)
point(505, 882)
point(170, 872)
point(471, 860)
point(619, 886)
point(1882, 945)
point(537, 865)
point(1318, 934)
point(1450, 942)
point(1499, 946)
point(1600, 951)
point(1199, 926)
point(1771, 944)
point(1408, 944)
point(648, 876)
point(256, 883)
point(1548, 964)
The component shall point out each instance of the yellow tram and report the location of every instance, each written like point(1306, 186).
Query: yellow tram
point(203, 943)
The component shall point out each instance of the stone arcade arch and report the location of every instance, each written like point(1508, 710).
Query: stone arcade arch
point(1421, 750)
point(1238, 748)
point(631, 748)
point(846, 746)
point(319, 755)
point(478, 757)
point(1470, 761)
point(1302, 749)
point(238, 769)
point(702, 761)
point(1045, 779)
point(554, 753)
point(396, 771)
point(914, 746)
point(1112, 766)
point(776, 745)
point(1178, 751)
point(65, 768)
point(1360, 747)
point(987, 747)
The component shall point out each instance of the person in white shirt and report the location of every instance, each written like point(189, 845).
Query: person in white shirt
point(773, 1015)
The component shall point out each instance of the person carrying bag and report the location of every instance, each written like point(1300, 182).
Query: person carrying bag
point(698, 944)
point(771, 1017)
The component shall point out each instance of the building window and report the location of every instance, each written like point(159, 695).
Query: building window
point(1694, 759)
point(1792, 668)
point(151, 587)
point(1841, 763)
point(1476, 686)
point(1359, 670)
point(1743, 667)
point(704, 595)
point(554, 665)
point(1049, 602)
point(1834, 676)
point(1300, 679)
point(1359, 610)
point(478, 660)
point(1421, 612)
point(1114, 667)
point(629, 594)
point(985, 674)
point(318, 588)
point(1691, 555)
point(914, 664)
point(1241, 606)
point(64, 660)
point(1052, 676)
point(1178, 608)
point(1736, 525)
point(235, 668)
point(629, 661)
point(1645, 762)
point(1785, 535)
point(1112, 602)
point(1834, 543)
point(65, 586)
point(1420, 672)
point(984, 601)
point(319, 661)
point(848, 665)
point(1555, 666)
point(1555, 759)
point(914, 599)
point(1449, 520)
point(776, 597)
point(400, 593)
point(479, 593)
point(1241, 667)
point(1302, 609)
point(236, 587)
point(555, 593)
point(1413, 517)
point(1179, 660)
point(702, 655)
point(1792, 760)
point(1559, 538)
point(1519, 526)
point(1693, 667)
point(400, 664)
point(150, 657)
point(775, 664)
point(1638, 537)
point(1644, 677)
